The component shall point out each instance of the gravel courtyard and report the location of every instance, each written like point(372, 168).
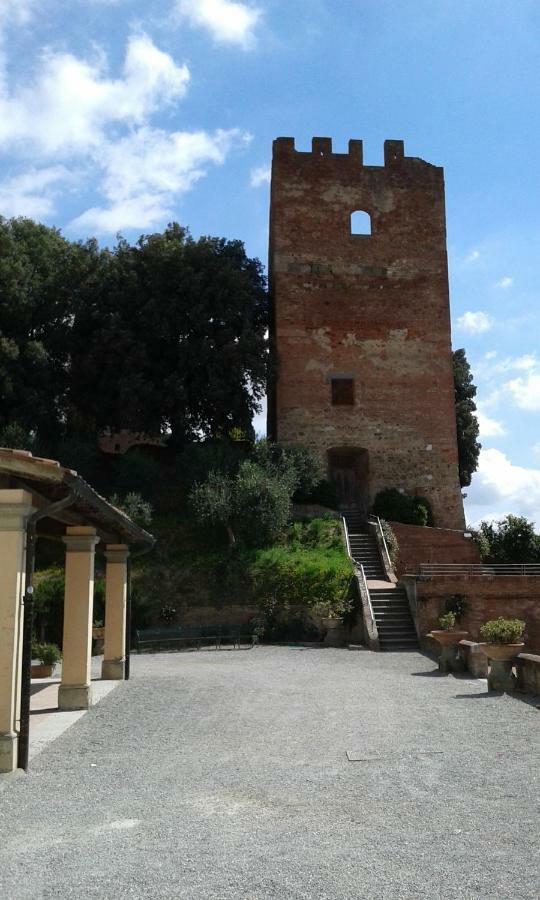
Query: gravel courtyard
point(281, 773)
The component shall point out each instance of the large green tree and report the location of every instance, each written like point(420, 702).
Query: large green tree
point(467, 423)
point(41, 276)
point(172, 340)
point(166, 336)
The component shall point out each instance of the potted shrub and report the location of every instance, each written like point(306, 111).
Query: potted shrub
point(501, 642)
point(48, 655)
point(330, 614)
point(448, 638)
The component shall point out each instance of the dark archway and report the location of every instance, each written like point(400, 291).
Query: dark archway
point(348, 470)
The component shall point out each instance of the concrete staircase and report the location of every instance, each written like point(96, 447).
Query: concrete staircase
point(390, 604)
point(365, 552)
point(393, 618)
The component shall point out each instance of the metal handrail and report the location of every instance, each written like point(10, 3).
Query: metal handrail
point(383, 539)
point(366, 589)
point(480, 569)
point(383, 547)
point(346, 532)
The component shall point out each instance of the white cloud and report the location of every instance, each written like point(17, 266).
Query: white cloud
point(228, 22)
point(17, 11)
point(499, 487)
point(77, 115)
point(145, 171)
point(32, 193)
point(72, 101)
point(490, 366)
point(504, 283)
point(473, 256)
point(475, 322)
point(526, 391)
point(260, 175)
point(489, 427)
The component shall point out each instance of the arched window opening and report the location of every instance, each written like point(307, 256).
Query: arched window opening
point(360, 222)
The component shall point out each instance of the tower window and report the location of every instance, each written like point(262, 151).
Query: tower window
point(360, 222)
point(342, 391)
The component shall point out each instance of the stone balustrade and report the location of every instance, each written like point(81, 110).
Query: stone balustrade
point(528, 673)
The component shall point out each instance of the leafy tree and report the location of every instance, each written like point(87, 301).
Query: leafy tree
point(134, 506)
point(466, 421)
point(510, 540)
point(299, 466)
point(41, 274)
point(172, 340)
point(253, 505)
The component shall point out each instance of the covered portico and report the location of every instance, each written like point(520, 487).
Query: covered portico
point(41, 498)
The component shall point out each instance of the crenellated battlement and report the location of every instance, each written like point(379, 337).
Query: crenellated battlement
point(321, 148)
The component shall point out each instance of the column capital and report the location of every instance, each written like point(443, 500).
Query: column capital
point(15, 507)
point(80, 538)
point(116, 553)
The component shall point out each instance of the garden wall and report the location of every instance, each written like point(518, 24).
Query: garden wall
point(488, 597)
point(431, 545)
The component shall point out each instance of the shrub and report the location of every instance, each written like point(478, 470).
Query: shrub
point(447, 621)
point(134, 506)
point(502, 631)
point(456, 604)
point(48, 654)
point(391, 504)
point(318, 579)
point(391, 541)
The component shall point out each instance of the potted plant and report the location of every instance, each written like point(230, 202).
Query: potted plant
point(330, 614)
point(448, 638)
point(48, 655)
point(501, 642)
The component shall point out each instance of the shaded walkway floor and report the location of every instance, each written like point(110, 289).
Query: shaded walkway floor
point(227, 775)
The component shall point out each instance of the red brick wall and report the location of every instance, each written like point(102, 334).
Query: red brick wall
point(374, 308)
point(431, 545)
point(488, 598)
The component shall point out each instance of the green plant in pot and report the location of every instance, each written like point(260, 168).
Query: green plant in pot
point(448, 637)
point(501, 642)
point(48, 655)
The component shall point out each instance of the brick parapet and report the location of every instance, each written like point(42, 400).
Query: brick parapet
point(432, 545)
point(488, 597)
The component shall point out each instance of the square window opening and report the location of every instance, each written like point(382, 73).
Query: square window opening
point(342, 391)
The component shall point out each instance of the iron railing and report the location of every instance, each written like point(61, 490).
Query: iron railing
point(365, 589)
point(383, 547)
point(477, 570)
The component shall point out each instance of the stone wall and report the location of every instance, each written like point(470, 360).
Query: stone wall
point(372, 308)
point(431, 545)
point(488, 597)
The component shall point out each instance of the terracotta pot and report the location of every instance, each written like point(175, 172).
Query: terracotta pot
point(98, 633)
point(330, 624)
point(501, 651)
point(40, 671)
point(446, 638)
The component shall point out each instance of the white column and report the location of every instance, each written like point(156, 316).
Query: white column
point(15, 507)
point(114, 654)
point(75, 691)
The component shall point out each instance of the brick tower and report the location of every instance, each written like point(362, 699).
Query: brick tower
point(361, 322)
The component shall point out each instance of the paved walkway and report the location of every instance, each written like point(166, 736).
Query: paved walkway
point(226, 775)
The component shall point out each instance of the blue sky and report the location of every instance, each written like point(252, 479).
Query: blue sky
point(119, 115)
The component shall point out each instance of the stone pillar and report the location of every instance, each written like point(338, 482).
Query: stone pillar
point(75, 691)
point(115, 611)
point(15, 507)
